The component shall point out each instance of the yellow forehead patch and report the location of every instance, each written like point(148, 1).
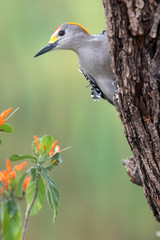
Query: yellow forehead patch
point(72, 23)
point(52, 39)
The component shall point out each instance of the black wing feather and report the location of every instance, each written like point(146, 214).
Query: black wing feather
point(96, 92)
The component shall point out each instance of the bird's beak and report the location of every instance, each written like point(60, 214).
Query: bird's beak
point(52, 44)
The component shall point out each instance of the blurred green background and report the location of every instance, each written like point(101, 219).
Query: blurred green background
point(97, 200)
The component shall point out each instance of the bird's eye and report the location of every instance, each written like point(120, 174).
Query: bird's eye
point(61, 33)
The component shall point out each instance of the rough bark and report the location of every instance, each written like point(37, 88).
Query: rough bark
point(133, 29)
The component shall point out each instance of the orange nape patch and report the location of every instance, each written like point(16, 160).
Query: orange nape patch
point(72, 23)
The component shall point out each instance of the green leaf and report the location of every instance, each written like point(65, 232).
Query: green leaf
point(15, 181)
point(19, 186)
point(45, 143)
point(52, 193)
point(30, 191)
point(15, 157)
point(32, 171)
point(12, 207)
point(11, 220)
point(0, 141)
point(6, 128)
point(1, 211)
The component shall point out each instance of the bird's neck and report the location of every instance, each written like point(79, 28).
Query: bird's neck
point(81, 42)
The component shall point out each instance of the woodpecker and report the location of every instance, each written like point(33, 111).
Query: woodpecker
point(93, 55)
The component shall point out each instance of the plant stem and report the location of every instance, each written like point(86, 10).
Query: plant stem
point(30, 207)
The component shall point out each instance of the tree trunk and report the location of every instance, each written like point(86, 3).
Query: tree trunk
point(133, 29)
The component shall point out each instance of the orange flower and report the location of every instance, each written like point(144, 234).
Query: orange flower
point(25, 183)
point(57, 149)
point(1, 175)
point(8, 166)
point(36, 141)
point(20, 166)
point(53, 161)
point(53, 146)
point(12, 175)
point(3, 180)
point(7, 175)
point(3, 115)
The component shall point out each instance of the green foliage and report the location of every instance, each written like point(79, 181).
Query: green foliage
point(56, 157)
point(3, 126)
point(19, 185)
point(6, 128)
point(16, 157)
point(32, 172)
point(45, 143)
point(11, 220)
point(33, 187)
point(30, 191)
point(52, 193)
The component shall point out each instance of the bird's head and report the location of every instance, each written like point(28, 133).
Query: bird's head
point(66, 36)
